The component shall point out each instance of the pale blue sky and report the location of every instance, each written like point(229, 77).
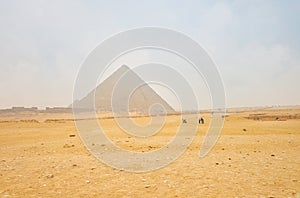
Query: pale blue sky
point(255, 44)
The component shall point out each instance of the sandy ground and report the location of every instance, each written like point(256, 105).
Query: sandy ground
point(253, 158)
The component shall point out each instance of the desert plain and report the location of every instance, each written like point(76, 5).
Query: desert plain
point(257, 155)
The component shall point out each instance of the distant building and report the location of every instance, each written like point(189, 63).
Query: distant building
point(23, 109)
point(58, 110)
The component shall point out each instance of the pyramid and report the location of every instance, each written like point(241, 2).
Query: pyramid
point(140, 101)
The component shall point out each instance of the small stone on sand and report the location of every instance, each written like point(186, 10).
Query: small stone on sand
point(50, 176)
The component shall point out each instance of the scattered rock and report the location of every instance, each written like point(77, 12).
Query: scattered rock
point(244, 130)
point(68, 146)
point(205, 186)
point(217, 163)
point(229, 158)
point(72, 135)
point(147, 186)
point(74, 165)
point(273, 155)
point(50, 176)
point(87, 181)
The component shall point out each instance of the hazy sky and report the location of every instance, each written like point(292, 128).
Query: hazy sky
point(255, 44)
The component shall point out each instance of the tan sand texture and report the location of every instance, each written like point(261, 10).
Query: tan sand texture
point(253, 158)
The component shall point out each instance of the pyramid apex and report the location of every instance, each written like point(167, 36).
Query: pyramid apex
point(124, 67)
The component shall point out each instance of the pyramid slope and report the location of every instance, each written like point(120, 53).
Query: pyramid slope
point(140, 101)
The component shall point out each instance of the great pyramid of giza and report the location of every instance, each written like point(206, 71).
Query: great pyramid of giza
point(140, 100)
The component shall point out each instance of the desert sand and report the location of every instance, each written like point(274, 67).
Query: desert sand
point(257, 155)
